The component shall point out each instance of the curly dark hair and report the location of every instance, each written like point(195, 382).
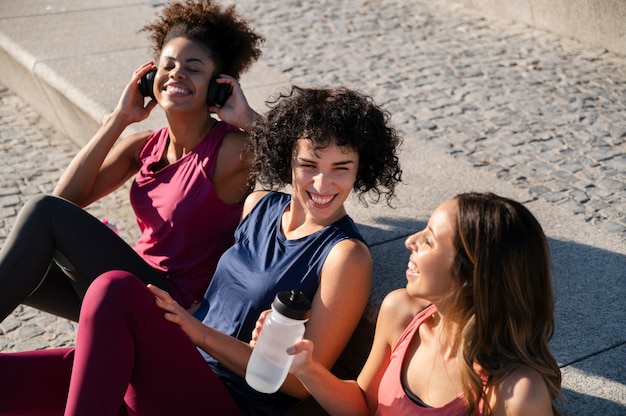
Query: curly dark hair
point(324, 116)
point(227, 37)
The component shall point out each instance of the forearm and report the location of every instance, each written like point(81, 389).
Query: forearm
point(77, 180)
point(229, 351)
point(336, 396)
point(248, 121)
point(235, 354)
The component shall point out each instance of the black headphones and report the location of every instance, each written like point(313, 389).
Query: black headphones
point(217, 95)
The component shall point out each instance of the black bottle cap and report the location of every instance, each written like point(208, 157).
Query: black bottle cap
point(292, 304)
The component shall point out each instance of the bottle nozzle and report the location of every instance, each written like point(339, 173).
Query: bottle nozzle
point(296, 296)
point(292, 304)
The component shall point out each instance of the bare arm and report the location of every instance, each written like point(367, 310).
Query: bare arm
point(337, 307)
point(349, 397)
point(232, 169)
point(97, 169)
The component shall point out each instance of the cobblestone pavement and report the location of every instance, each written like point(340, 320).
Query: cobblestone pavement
point(33, 156)
point(542, 112)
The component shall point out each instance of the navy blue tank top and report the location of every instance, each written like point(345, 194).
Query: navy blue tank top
point(261, 263)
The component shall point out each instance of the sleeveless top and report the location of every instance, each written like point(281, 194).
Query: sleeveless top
point(392, 399)
point(261, 263)
point(184, 225)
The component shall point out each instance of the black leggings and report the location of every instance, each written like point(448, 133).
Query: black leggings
point(54, 252)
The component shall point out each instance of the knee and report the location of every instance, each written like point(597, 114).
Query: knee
point(112, 287)
point(42, 200)
point(43, 204)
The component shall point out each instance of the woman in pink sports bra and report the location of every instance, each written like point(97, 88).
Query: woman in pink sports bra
point(469, 333)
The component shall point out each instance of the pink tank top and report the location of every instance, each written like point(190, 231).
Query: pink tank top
point(392, 400)
point(184, 226)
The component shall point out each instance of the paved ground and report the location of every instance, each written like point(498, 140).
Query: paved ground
point(542, 112)
point(484, 104)
point(34, 155)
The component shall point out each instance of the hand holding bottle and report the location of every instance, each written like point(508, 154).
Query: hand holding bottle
point(282, 327)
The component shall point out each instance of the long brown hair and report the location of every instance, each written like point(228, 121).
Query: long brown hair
point(504, 300)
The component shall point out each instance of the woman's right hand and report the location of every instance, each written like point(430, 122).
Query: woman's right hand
point(132, 106)
point(178, 315)
point(258, 327)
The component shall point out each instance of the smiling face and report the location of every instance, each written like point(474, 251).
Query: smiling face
point(322, 179)
point(430, 272)
point(184, 72)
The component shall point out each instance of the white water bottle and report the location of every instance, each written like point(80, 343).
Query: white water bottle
point(284, 325)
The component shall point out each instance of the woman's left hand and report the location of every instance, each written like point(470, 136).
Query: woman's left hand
point(236, 110)
point(302, 351)
point(178, 315)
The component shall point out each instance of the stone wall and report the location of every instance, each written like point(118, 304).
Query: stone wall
point(597, 23)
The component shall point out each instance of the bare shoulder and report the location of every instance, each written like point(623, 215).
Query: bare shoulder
point(348, 267)
point(351, 249)
point(400, 301)
point(139, 136)
point(399, 308)
point(235, 140)
point(251, 201)
point(132, 144)
point(396, 312)
point(523, 392)
point(233, 147)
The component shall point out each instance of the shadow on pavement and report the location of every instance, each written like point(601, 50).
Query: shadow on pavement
point(579, 404)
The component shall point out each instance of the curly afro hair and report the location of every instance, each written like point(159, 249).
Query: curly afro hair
point(326, 116)
point(227, 37)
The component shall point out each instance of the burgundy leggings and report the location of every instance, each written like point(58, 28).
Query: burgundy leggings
point(128, 359)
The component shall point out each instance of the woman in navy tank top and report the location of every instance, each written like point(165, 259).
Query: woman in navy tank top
point(139, 351)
